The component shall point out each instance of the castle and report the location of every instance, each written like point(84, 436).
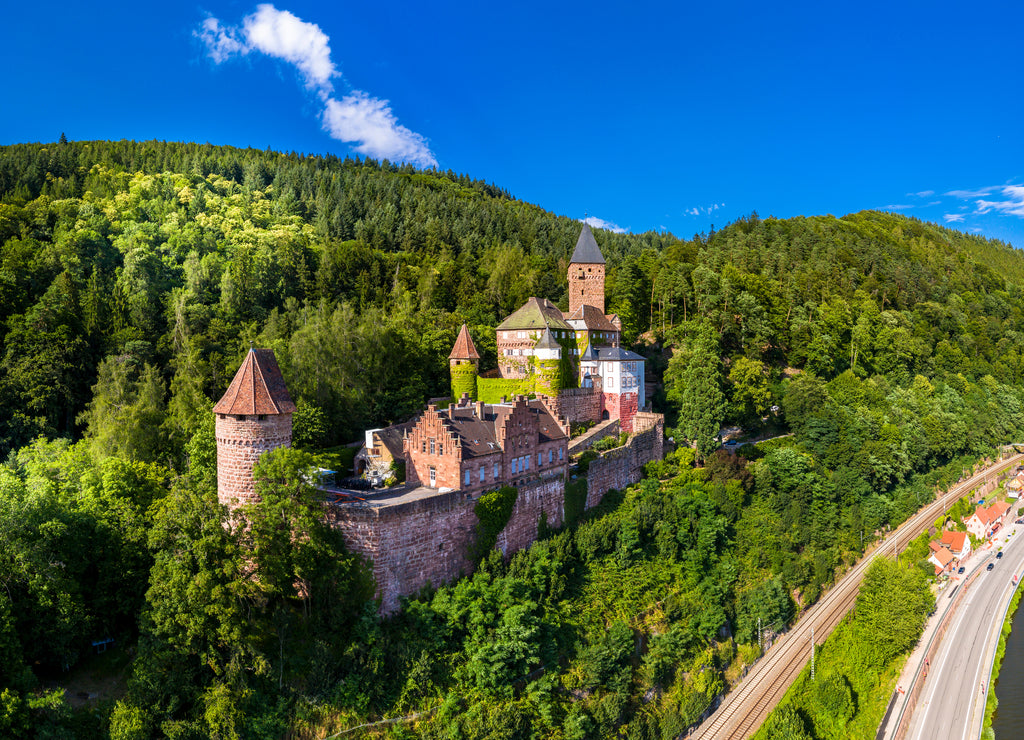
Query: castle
point(420, 533)
point(573, 357)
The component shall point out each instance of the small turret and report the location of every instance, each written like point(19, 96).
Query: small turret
point(463, 364)
point(253, 417)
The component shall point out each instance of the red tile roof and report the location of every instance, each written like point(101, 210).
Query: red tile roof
point(997, 509)
point(943, 556)
point(989, 514)
point(954, 540)
point(464, 348)
point(258, 388)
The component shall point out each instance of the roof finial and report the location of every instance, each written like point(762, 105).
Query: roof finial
point(251, 348)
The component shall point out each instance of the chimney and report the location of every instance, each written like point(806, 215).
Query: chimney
point(480, 410)
point(451, 411)
point(464, 401)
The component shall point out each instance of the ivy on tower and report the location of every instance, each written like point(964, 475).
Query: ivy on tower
point(463, 364)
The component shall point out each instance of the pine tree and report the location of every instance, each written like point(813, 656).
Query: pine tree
point(697, 390)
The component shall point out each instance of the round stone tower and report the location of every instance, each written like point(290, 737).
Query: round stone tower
point(253, 417)
point(464, 365)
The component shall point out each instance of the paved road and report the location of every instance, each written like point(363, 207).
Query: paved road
point(746, 706)
point(952, 703)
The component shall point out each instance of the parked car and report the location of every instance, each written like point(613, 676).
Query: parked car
point(999, 554)
point(990, 566)
point(961, 570)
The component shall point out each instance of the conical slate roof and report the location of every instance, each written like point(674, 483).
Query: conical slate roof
point(547, 341)
point(587, 252)
point(258, 388)
point(464, 348)
point(589, 355)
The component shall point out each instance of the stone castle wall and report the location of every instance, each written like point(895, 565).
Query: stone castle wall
point(412, 545)
point(544, 496)
point(240, 442)
point(426, 541)
point(577, 405)
point(624, 465)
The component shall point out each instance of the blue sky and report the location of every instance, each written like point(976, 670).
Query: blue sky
point(667, 116)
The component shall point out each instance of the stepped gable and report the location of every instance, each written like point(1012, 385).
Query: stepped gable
point(258, 388)
point(587, 252)
point(537, 314)
point(476, 426)
point(464, 348)
point(592, 319)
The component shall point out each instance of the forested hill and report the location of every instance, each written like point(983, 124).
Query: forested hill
point(358, 273)
point(133, 277)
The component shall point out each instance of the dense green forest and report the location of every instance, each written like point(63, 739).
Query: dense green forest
point(134, 276)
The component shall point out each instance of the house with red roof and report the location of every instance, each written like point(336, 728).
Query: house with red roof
point(987, 519)
point(941, 558)
point(958, 544)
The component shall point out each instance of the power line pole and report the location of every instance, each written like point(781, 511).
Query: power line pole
point(760, 643)
point(812, 652)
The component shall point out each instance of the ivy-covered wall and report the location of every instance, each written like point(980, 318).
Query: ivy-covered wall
point(548, 377)
point(490, 390)
point(464, 378)
point(492, 510)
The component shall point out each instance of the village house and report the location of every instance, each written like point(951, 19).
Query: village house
point(987, 519)
point(941, 558)
point(958, 544)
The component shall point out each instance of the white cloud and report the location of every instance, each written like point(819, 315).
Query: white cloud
point(703, 210)
point(369, 121)
point(953, 217)
point(1012, 206)
point(221, 43)
point(923, 193)
point(896, 207)
point(280, 34)
point(968, 194)
point(358, 118)
point(600, 223)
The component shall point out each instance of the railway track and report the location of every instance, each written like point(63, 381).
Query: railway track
point(747, 706)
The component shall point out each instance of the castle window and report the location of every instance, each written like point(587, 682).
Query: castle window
point(551, 455)
point(515, 465)
point(467, 478)
point(431, 445)
point(540, 459)
point(497, 471)
point(424, 445)
point(239, 417)
point(526, 462)
point(433, 477)
point(561, 453)
point(261, 417)
point(483, 473)
point(440, 448)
